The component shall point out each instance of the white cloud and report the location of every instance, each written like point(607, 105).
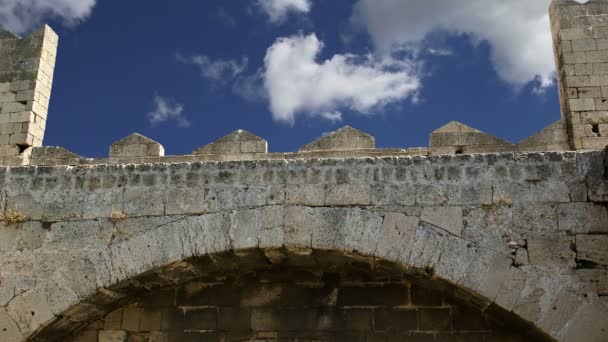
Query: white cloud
point(297, 83)
point(277, 10)
point(167, 110)
point(21, 16)
point(518, 31)
point(216, 70)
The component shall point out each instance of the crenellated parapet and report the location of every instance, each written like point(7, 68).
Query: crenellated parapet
point(347, 142)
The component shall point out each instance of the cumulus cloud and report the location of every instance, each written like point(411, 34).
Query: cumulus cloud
point(296, 83)
point(167, 110)
point(277, 10)
point(21, 16)
point(518, 31)
point(216, 70)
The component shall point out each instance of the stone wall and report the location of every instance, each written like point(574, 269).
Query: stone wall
point(517, 236)
point(580, 35)
point(26, 78)
point(297, 306)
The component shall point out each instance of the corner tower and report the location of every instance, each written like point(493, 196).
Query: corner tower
point(580, 39)
point(26, 77)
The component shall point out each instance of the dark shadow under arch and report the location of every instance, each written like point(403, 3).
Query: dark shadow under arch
point(327, 271)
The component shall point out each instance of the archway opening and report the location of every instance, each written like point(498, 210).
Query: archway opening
point(289, 295)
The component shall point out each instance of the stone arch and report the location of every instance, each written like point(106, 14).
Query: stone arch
point(91, 285)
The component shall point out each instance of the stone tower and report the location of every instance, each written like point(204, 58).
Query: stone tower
point(26, 77)
point(580, 36)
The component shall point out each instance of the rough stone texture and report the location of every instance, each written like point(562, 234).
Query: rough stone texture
point(337, 242)
point(307, 305)
point(580, 33)
point(552, 138)
point(136, 145)
point(457, 223)
point(26, 78)
point(237, 142)
point(346, 138)
point(458, 138)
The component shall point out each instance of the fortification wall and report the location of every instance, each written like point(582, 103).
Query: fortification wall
point(522, 235)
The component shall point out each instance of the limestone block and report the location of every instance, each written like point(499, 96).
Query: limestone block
point(466, 140)
point(597, 278)
point(581, 105)
point(584, 45)
point(244, 228)
point(9, 331)
point(595, 143)
point(596, 117)
point(30, 310)
point(448, 218)
point(346, 138)
point(510, 290)
point(580, 218)
point(585, 323)
point(235, 143)
point(112, 336)
point(552, 252)
point(398, 232)
point(593, 249)
point(136, 145)
point(553, 137)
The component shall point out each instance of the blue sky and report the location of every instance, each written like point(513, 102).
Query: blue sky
point(188, 72)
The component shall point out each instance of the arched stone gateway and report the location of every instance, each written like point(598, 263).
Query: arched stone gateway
point(513, 240)
point(295, 295)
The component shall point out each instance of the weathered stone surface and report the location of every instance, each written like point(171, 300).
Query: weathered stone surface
point(552, 138)
point(465, 139)
point(9, 331)
point(585, 323)
point(593, 249)
point(552, 252)
point(597, 278)
point(136, 145)
point(448, 218)
point(346, 138)
point(26, 77)
point(451, 217)
point(112, 336)
point(235, 143)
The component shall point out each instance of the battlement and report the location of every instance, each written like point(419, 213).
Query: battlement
point(580, 34)
point(347, 142)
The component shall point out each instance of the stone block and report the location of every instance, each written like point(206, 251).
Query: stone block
point(585, 323)
point(585, 44)
point(344, 139)
point(384, 295)
point(552, 252)
point(581, 105)
point(434, 319)
point(597, 278)
point(595, 143)
point(577, 57)
point(131, 318)
point(583, 69)
point(592, 249)
point(397, 319)
point(9, 331)
point(581, 218)
point(235, 143)
point(112, 336)
point(136, 145)
point(113, 320)
point(596, 57)
point(447, 218)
